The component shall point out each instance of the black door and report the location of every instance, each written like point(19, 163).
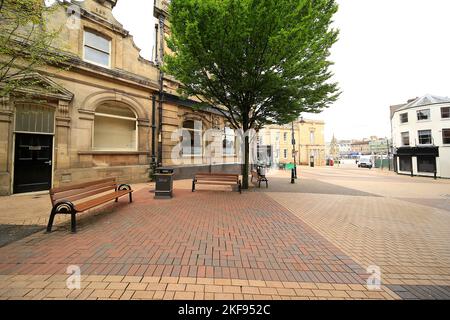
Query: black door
point(33, 162)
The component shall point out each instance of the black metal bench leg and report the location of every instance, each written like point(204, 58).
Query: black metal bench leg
point(73, 222)
point(131, 197)
point(50, 221)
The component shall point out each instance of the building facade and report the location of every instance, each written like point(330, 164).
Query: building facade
point(421, 136)
point(308, 137)
point(105, 114)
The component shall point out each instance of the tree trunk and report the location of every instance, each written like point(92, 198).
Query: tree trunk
point(246, 163)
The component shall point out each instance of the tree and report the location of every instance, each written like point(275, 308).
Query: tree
point(256, 61)
point(26, 43)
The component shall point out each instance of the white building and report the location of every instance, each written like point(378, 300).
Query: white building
point(421, 136)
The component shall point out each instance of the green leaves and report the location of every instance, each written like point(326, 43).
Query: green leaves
point(25, 42)
point(261, 61)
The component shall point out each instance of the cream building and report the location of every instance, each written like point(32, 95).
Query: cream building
point(309, 142)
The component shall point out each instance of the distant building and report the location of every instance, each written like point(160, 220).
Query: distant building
point(309, 142)
point(360, 147)
point(421, 136)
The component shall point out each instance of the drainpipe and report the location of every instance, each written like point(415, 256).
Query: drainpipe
point(161, 89)
point(153, 130)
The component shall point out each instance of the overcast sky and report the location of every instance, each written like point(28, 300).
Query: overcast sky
point(388, 51)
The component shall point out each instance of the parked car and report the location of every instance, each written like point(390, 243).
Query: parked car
point(365, 162)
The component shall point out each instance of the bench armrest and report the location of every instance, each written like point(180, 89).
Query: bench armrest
point(124, 187)
point(64, 206)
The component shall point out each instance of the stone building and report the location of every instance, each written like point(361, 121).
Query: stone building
point(105, 116)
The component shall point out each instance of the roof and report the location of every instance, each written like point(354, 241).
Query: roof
point(426, 100)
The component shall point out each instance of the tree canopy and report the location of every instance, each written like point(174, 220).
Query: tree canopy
point(256, 61)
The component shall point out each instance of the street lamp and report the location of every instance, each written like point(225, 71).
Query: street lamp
point(294, 170)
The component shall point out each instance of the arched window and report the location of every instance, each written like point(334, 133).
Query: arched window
point(192, 138)
point(115, 128)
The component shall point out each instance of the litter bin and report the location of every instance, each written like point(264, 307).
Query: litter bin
point(311, 161)
point(164, 183)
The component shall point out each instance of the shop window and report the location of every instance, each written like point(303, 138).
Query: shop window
point(405, 163)
point(426, 164)
point(115, 128)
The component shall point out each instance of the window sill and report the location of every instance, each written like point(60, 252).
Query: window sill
point(101, 152)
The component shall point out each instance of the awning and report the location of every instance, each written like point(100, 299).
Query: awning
point(417, 151)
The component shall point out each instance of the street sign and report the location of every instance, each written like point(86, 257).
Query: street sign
point(289, 166)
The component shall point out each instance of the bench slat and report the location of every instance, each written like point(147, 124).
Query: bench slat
point(81, 192)
point(217, 183)
point(81, 185)
point(87, 194)
point(100, 200)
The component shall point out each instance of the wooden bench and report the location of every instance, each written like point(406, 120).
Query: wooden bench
point(259, 178)
point(81, 197)
point(217, 179)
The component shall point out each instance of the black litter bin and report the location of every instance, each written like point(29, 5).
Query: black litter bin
point(164, 183)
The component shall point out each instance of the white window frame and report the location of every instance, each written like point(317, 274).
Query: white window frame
point(201, 135)
point(422, 110)
point(84, 47)
point(225, 135)
point(106, 115)
point(431, 137)
point(400, 118)
point(445, 144)
point(401, 139)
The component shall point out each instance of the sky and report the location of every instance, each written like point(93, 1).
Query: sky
point(388, 51)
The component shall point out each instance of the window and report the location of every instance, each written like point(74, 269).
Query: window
point(426, 164)
point(192, 138)
point(425, 137)
point(311, 137)
point(405, 138)
point(97, 49)
point(405, 163)
point(285, 136)
point(446, 136)
point(35, 118)
point(115, 128)
point(403, 118)
point(285, 153)
point(229, 139)
point(445, 112)
point(423, 114)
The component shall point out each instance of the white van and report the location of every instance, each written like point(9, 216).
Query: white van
point(365, 162)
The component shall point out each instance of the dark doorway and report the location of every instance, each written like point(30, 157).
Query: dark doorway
point(32, 162)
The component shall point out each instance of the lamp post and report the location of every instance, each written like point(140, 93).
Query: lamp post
point(294, 170)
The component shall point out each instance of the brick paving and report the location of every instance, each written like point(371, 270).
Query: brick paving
point(313, 241)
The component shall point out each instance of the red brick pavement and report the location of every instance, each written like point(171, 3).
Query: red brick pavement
point(207, 234)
